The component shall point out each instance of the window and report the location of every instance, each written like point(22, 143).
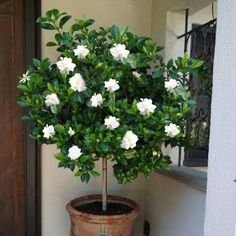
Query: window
point(202, 41)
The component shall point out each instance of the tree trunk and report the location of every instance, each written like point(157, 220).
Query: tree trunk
point(104, 184)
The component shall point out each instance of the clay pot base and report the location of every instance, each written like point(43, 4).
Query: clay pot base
point(87, 221)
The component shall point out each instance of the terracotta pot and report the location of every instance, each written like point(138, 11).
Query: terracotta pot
point(85, 224)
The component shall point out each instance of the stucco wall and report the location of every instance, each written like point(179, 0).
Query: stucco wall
point(173, 208)
point(59, 185)
point(221, 196)
point(159, 14)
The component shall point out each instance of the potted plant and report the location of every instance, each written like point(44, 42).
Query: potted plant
point(109, 96)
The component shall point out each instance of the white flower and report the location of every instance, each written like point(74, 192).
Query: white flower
point(65, 65)
point(48, 131)
point(129, 140)
point(96, 100)
point(154, 153)
point(111, 122)
point(136, 74)
point(145, 106)
point(52, 100)
point(112, 85)
point(77, 83)
point(25, 77)
point(71, 132)
point(171, 85)
point(119, 52)
point(74, 152)
point(172, 130)
point(81, 51)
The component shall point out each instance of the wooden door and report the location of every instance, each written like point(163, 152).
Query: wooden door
point(14, 194)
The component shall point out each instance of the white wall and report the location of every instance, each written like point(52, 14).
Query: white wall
point(175, 26)
point(159, 14)
point(59, 185)
point(173, 208)
point(221, 195)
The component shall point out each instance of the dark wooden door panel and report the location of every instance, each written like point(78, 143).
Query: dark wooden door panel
point(12, 136)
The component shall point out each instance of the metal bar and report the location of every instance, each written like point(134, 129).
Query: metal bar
point(180, 156)
point(104, 184)
point(185, 50)
point(186, 30)
point(196, 29)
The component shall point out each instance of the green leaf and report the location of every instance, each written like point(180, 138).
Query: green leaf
point(60, 129)
point(78, 128)
point(23, 103)
point(170, 63)
point(88, 22)
point(104, 147)
point(51, 44)
point(129, 154)
point(53, 109)
point(158, 73)
point(84, 158)
point(197, 63)
point(58, 37)
point(23, 87)
point(53, 12)
point(64, 20)
point(60, 156)
point(50, 87)
point(85, 177)
point(26, 118)
point(134, 107)
point(115, 32)
point(36, 62)
point(47, 26)
point(81, 24)
point(41, 19)
point(95, 173)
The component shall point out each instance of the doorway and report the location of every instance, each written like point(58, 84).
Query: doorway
point(19, 165)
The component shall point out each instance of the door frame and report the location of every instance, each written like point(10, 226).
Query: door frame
point(32, 149)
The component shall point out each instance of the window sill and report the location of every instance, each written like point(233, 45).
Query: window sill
point(194, 178)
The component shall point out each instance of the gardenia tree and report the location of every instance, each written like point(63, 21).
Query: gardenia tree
point(108, 96)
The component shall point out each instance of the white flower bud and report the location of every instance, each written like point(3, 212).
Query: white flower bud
point(119, 52)
point(52, 100)
point(145, 106)
point(48, 131)
point(65, 65)
point(96, 100)
point(77, 83)
point(129, 140)
point(112, 85)
point(172, 130)
point(111, 123)
point(74, 152)
point(81, 51)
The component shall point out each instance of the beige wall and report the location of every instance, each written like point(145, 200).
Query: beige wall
point(133, 13)
point(59, 185)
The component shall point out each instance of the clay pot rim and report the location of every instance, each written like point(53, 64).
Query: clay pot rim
point(103, 218)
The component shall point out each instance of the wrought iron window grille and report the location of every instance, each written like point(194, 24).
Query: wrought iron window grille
point(202, 39)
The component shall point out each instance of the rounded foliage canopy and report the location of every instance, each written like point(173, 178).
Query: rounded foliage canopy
point(109, 95)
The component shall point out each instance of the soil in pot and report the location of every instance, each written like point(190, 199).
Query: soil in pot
point(113, 208)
